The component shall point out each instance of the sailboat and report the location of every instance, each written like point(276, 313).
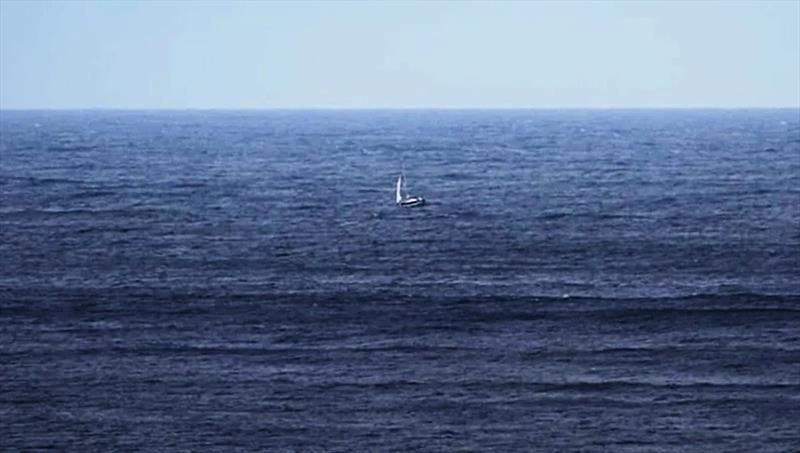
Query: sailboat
point(401, 195)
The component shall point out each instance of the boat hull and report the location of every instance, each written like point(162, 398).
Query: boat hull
point(412, 202)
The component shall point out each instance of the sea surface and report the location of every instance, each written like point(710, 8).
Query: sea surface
point(579, 280)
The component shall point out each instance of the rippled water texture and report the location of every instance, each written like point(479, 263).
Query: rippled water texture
point(578, 281)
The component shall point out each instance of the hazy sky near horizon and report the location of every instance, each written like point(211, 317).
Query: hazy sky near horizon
point(382, 54)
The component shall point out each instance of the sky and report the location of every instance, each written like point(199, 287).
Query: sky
point(398, 54)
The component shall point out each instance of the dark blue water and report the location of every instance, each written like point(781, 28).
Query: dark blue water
point(579, 281)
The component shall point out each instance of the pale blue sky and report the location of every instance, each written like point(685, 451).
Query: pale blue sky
point(184, 54)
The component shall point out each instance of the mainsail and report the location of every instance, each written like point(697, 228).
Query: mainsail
point(398, 192)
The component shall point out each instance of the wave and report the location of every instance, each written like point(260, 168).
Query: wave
point(93, 193)
point(71, 148)
point(210, 298)
point(48, 181)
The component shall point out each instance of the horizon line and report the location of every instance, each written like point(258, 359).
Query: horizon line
point(465, 108)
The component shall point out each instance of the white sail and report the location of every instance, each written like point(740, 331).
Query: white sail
point(398, 194)
point(401, 194)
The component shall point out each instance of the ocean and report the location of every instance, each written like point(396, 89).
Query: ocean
point(579, 280)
